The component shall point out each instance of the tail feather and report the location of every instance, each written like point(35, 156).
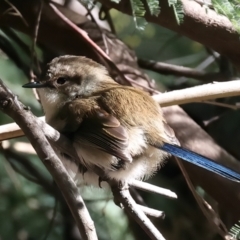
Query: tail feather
point(200, 161)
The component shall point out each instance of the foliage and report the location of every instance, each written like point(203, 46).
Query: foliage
point(235, 231)
point(138, 10)
point(230, 9)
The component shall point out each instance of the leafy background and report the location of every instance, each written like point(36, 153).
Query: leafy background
point(28, 202)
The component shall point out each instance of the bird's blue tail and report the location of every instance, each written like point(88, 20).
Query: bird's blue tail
point(200, 161)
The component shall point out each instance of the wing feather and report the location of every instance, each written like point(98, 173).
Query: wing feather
point(103, 131)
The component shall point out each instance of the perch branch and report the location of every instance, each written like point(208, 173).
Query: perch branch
point(121, 194)
point(29, 124)
point(123, 198)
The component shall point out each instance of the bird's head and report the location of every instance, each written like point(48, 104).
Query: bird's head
point(68, 77)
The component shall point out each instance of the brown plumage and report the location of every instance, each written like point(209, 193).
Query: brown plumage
point(111, 126)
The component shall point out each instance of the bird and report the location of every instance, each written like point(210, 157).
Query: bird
point(117, 128)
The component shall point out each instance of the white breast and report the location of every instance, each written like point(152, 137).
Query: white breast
point(145, 163)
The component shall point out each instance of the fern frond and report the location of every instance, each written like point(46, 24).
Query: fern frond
point(230, 9)
point(235, 232)
point(177, 9)
point(154, 7)
point(178, 12)
point(171, 2)
point(138, 11)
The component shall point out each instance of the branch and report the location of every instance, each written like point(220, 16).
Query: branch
point(121, 193)
point(24, 118)
point(171, 69)
point(99, 52)
point(199, 93)
point(177, 97)
point(151, 188)
point(123, 198)
point(198, 24)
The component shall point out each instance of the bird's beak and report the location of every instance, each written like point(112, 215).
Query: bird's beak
point(35, 85)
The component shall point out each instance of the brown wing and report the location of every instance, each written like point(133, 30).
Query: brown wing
point(103, 131)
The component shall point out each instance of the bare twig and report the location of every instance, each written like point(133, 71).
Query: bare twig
point(15, 12)
point(170, 69)
point(199, 93)
point(9, 131)
point(140, 202)
point(225, 105)
point(151, 188)
point(122, 198)
point(121, 194)
point(152, 212)
point(11, 106)
point(35, 36)
point(103, 56)
point(209, 215)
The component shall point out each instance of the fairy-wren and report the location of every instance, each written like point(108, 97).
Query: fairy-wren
point(117, 128)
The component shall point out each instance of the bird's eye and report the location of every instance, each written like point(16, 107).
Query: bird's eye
point(61, 80)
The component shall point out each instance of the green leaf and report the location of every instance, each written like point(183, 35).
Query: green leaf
point(154, 7)
point(138, 11)
point(178, 12)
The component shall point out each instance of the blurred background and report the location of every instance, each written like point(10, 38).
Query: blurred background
point(31, 206)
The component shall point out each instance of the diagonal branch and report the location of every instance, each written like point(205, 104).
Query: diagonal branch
point(29, 124)
point(123, 198)
point(121, 193)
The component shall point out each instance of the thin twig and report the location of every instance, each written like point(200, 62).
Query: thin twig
point(151, 188)
point(199, 200)
point(103, 56)
point(121, 194)
point(123, 198)
point(225, 105)
point(152, 212)
point(35, 36)
point(16, 12)
point(170, 69)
